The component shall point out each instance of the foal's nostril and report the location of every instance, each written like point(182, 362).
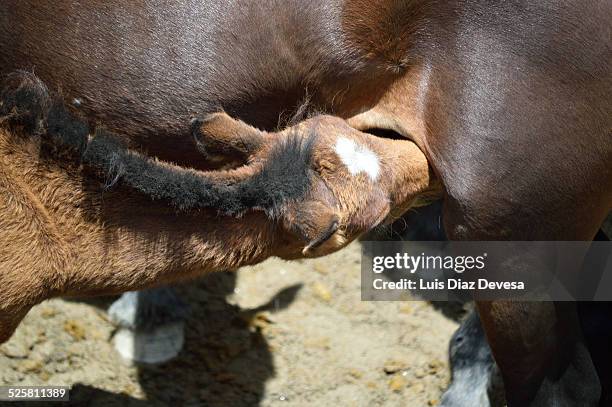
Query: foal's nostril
point(322, 238)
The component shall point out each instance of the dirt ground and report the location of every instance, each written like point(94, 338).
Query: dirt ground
point(277, 334)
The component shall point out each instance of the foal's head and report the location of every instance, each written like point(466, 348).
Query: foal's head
point(354, 180)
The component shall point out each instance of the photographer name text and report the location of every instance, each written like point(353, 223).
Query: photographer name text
point(405, 263)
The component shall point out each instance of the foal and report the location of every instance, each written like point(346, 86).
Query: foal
point(83, 215)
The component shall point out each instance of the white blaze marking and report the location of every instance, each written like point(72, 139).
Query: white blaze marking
point(357, 158)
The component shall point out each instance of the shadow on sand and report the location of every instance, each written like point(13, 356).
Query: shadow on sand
point(226, 361)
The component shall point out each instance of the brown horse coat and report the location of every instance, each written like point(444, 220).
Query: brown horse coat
point(509, 101)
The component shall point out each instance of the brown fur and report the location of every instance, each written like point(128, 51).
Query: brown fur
point(509, 101)
point(63, 236)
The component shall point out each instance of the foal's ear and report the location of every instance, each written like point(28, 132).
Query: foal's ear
point(224, 139)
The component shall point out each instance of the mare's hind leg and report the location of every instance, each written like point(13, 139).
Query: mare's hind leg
point(541, 353)
point(476, 380)
point(475, 377)
point(538, 346)
point(151, 324)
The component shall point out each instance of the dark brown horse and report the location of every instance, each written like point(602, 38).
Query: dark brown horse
point(510, 101)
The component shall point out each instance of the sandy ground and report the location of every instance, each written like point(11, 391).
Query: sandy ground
point(277, 334)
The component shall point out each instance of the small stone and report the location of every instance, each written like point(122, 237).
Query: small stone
point(320, 343)
point(433, 402)
point(48, 312)
point(58, 355)
point(320, 269)
point(41, 337)
point(322, 292)
point(406, 309)
point(357, 374)
point(44, 376)
point(75, 330)
point(417, 387)
point(30, 366)
point(419, 374)
point(15, 350)
point(393, 366)
point(435, 366)
point(61, 367)
point(397, 383)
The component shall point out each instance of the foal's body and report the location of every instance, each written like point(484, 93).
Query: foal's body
point(65, 233)
point(510, 101)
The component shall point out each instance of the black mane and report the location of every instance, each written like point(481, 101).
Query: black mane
point(27, 101)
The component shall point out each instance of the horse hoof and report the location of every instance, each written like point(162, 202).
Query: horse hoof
point(157, 345)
